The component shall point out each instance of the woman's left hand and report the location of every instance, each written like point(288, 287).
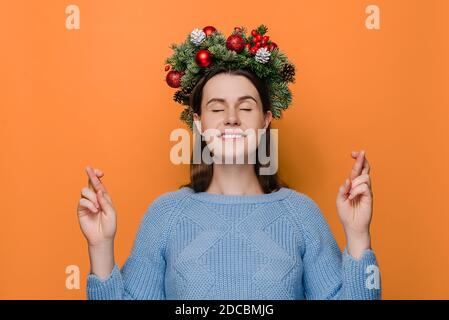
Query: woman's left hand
point(355, 205)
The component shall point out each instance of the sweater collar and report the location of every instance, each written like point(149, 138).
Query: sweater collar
point(238, 199)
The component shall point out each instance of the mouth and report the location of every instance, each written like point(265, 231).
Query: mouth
point(232, 135)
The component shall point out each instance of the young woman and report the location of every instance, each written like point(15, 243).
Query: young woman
point(233, 233)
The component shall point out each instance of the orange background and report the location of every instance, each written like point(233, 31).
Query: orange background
point(97, 96)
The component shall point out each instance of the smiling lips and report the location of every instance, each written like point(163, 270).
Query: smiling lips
point(232, 134)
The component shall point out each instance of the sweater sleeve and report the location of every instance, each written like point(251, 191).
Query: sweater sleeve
point(328, 273)
point(142, 275)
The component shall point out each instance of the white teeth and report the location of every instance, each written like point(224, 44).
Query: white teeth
point(232, 136)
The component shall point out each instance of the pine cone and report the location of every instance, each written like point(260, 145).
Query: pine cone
point(180, 97)
point(262, 55)
point(288, 72)
point(197, 36)
point(188, 89)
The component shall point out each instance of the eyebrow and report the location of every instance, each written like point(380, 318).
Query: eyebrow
point(239, 99)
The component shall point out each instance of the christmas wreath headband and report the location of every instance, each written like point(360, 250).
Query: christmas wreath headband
point(206, 49)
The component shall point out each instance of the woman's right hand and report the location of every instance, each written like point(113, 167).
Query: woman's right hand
point(96, 212)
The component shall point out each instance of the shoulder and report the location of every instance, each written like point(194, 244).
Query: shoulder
point(171, 199)
point(157, 221)
point(166, 205)
point(300, 202)
point(304, 211)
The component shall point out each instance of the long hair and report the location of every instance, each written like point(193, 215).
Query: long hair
point(201, 173)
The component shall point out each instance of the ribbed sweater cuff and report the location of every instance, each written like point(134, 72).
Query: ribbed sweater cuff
point(359, 276)
point(109, 289)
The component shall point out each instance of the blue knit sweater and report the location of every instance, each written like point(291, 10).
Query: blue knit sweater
point(209, 246)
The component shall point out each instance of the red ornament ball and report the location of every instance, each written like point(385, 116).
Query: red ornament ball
point(235, 42)
point(253, 50)
point(167, 67)
point(272, 46)
point(254, 33)
point(209, 30)
point(203, 58)
point(174, 78)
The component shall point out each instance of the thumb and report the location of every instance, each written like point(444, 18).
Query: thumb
point(342, 191)
point(104, 203)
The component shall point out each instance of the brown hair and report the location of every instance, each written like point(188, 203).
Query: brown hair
point(201, 174)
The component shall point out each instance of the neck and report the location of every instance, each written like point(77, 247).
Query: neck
point(234, 179)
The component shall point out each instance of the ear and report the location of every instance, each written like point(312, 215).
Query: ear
point(196, 118)
point(267, 119)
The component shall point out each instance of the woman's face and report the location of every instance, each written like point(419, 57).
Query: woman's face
point(231, 117)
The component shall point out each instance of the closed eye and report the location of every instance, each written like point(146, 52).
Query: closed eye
point(217, 110)
point(246, 109)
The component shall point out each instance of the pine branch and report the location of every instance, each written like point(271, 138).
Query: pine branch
point(262, 29)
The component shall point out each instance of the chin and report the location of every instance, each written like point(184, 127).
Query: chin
point(231, 158)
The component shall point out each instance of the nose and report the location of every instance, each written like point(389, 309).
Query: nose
point(231, 118)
